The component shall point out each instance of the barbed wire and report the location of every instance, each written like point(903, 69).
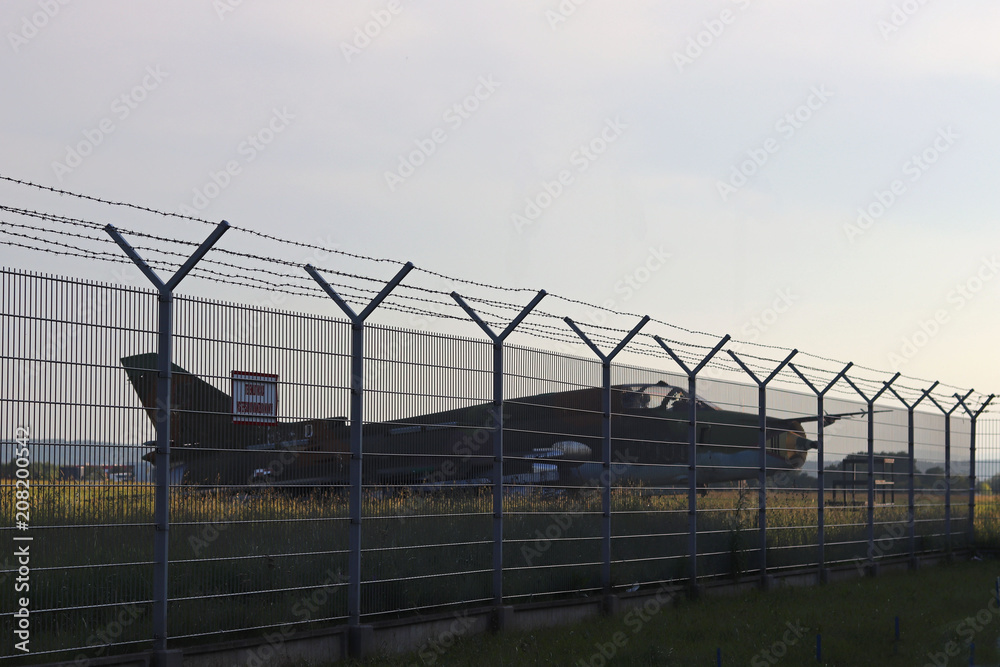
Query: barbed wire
point(602, 334)
point(100, 200)
point(547, 332)
point(542, 331)
point(260, 258)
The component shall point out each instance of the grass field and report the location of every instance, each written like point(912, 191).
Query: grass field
point(243, 561)
point(941, 610)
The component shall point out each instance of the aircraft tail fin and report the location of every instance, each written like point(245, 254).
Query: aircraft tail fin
point(202, 405)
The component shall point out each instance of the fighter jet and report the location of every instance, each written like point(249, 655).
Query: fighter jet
point(551, 439)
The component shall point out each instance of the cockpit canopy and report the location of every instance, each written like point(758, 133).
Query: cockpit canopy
point(659, 395)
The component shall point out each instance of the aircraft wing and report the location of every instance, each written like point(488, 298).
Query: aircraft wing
point(829, 419)
point(567, 448)
point(563, 454)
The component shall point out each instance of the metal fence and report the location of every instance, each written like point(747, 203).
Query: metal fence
point(399, 471)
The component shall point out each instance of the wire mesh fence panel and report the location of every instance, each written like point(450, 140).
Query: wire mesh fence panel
point(552, 468)
point(960, 475)
point(427, 512)
point(987, 519)
point(845, 458)
point(261, 495)
point(929, 482)
point(890, 480)
point(728, 473)
point(649, 524)
point(74, 495)
point(792, 504)
point(258, 461)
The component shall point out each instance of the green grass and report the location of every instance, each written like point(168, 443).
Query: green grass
point(855, 619)
point(246, 560)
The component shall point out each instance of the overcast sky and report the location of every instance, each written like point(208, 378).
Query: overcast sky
point(818, 175)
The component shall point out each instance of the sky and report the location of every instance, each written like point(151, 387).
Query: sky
point(813, 174)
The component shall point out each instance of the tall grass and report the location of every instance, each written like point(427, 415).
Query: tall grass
point(252, 559)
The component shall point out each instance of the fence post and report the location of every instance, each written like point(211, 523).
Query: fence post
point(972, 464)
point(765, 582)
point(357, 643)
point(164, 352)
point(498, 371)
point(692, 375)
point(872, 567)
point(911, 494)
point(823, 573)
point(606, 442)
point(947, 466)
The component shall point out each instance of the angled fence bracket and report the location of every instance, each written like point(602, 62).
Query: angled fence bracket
point(872, 566)
point(357, 426)
point(821, 481)
point(498, 370)
point(973, 416)
point(164, 359)
point(762, 443)
point(947, 463)
point(911, 516)
point(606, 441)
point(692, 375)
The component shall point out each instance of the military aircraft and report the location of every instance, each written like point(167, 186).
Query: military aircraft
point(551, 439)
